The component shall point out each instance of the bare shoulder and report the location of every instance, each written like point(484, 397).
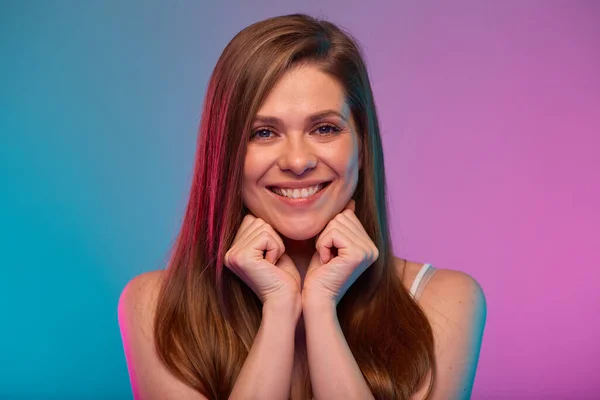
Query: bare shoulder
point(452, 295)
point(143, 285)
point(447, 288)
point(138, 298)
point(456, 308)
point(136, 308)
point(149, 378)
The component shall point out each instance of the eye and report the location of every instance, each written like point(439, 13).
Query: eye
point(262, 134)
point(327, 129)
point(321, 130)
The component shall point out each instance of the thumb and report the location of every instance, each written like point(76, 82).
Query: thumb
point(287, 264)
point(315, 262)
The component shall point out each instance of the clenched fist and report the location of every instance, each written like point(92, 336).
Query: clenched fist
point(258, 257)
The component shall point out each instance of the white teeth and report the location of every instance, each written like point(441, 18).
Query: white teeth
point(298, 193)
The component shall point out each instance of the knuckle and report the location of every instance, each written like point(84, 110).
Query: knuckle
point(268, 228)
point(264, 233)
point(271, 230)
point(275, 236)
point(229, 259)
point(374, 253)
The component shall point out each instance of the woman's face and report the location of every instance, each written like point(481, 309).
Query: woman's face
point(302, 162)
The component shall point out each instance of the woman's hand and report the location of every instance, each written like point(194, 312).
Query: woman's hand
point(331, 273)
point(258, 257)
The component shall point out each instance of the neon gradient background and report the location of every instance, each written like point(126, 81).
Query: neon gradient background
point(490, 118)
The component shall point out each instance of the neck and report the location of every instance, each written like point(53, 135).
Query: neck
point(300, 251)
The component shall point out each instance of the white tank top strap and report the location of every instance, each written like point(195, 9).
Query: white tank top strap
point(421, 279)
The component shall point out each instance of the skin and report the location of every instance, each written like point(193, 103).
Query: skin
point(293, 149)
point(296, 150)
point(287, 145)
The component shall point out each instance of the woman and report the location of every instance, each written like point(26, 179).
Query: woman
point(282, 282)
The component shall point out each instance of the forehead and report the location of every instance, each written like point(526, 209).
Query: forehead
point(304, 90)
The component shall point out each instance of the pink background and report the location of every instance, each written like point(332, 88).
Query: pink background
point(491, 123)
point(490, 115)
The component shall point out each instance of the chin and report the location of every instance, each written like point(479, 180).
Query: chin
point(303, 232)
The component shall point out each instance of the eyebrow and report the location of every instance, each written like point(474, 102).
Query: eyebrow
point(310, 119)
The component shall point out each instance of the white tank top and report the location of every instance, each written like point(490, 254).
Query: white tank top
point(425, 273)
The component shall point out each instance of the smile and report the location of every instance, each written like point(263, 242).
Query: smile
point(299, 193)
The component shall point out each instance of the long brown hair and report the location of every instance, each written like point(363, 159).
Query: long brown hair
point(207, 318)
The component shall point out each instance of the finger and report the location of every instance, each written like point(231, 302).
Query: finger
point(242, 231)
point(332, 224)
point(255, 227)
point(286, 264)
point(353, 231)
point(323, 251)
point(324, 254)
point(277, 238)
point(325, 230)
point(350, 212)
point(259, 227)
point(333, 238)
point(350, 207)
point(353, 219)
point(265, 242)
point(315, 262)
point(362, 236)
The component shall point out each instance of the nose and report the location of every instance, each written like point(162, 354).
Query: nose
point(298, 155)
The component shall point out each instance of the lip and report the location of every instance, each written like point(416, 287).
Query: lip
point(298, 184)
point(301, 202)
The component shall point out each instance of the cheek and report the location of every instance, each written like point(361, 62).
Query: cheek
point(352, 175)
point(349, 168)
point(347, 162)
point(254, 166)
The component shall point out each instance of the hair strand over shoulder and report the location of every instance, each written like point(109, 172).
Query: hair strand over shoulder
point(196, 334)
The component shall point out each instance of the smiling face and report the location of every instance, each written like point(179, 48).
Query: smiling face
point(302, 161)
